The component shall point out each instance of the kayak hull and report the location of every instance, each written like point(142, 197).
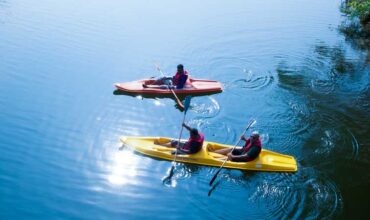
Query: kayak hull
point(266, 161)
point(198, 86)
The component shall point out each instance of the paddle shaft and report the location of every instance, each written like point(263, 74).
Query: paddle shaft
point(186, 107)
point(237, 143)
point(173, 92)
point(178, 143)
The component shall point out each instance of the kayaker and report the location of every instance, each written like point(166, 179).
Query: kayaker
point(250, 151)
point(178, 81)
point(192, 146)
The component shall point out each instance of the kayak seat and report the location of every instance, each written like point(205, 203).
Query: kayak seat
point(212, 147)
point(188, 84)
point(216, 155)
point(161, 140)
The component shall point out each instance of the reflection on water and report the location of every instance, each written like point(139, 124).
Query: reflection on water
point(123, 168)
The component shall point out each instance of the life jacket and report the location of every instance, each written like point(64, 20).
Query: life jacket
point(199, 140)
point(176, 78)
point(248, 145)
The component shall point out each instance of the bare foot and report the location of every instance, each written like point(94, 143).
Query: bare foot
point(210, 148)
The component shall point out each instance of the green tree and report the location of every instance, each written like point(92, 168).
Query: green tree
point(357, 9)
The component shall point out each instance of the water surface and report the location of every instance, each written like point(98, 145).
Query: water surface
point(283, 63)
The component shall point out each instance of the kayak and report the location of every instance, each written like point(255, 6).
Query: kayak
point(266, 161)
point(196, 86)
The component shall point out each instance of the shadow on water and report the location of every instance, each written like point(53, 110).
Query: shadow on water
point(162, 96)
point(148, 96)
point(227, 175)
point(335, 87)
point(356, 29)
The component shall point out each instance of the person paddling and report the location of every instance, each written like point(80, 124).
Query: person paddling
point(178, 81)
point(250, 151)
point(192, 146)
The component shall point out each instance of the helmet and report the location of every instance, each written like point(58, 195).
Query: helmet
point(255, 134)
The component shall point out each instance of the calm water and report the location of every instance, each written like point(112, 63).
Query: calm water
point(283, 63)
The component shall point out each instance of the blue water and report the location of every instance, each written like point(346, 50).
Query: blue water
point(283, 63)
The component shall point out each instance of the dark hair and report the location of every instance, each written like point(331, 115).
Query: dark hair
point(194, 131)
point(180, 66)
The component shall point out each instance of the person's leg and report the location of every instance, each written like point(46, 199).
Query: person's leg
point(179, 151)
point(241, 159)
point(224, 151)
point(156, 84)
point(171, 143)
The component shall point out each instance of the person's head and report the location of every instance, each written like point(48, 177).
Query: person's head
point(194, 132)
point(180, 68)
point(255, 135)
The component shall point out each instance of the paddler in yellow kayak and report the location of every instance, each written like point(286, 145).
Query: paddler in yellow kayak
point(178, 81)
point(192, 146)
point(250, 151)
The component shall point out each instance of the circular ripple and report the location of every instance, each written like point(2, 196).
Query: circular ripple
point(318, 196)
point(251, 81)
point(216, 131)
point(207, 107)
point(323, 86)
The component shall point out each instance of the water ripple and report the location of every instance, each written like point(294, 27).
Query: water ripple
point(207, 107)
point(217, 131)
point(251, 82)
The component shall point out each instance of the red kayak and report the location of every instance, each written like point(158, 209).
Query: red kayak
point(196, 86)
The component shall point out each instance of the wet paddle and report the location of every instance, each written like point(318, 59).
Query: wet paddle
point(179, 103)
point(250, 124)
point(186, 107)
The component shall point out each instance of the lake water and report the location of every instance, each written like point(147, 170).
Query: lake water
point(281, 62)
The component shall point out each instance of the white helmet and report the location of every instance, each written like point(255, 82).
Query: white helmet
point(255, 134)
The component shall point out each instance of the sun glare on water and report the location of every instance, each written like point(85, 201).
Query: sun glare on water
point(123, 169)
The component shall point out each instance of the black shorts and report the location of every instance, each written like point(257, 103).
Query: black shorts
point(192, 149)
point(237, 152)
point(245, 157)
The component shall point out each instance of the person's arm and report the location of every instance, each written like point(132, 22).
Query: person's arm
point(186, 126)
point(243, 138)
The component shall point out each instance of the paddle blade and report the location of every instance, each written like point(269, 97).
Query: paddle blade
point(171, 172)
point(157, 66)
point(187, 103)
point(213, 188)
point(180, 105)
point(214, 177)
point(252, 123)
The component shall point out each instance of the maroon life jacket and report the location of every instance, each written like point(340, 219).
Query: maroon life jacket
point(198, 140)
point(248, 145)
point(176, 78)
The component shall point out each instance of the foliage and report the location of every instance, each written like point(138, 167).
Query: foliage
point(357, 8)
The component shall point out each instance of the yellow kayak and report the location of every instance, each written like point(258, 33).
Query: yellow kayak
point(266, 161)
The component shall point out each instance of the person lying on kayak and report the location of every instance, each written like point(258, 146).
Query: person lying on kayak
point(192, 146)
point(178, 81)
point(248, 152)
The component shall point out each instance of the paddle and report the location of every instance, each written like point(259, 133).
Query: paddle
point(186, 107)
point(179, 103)
point(252, 122)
